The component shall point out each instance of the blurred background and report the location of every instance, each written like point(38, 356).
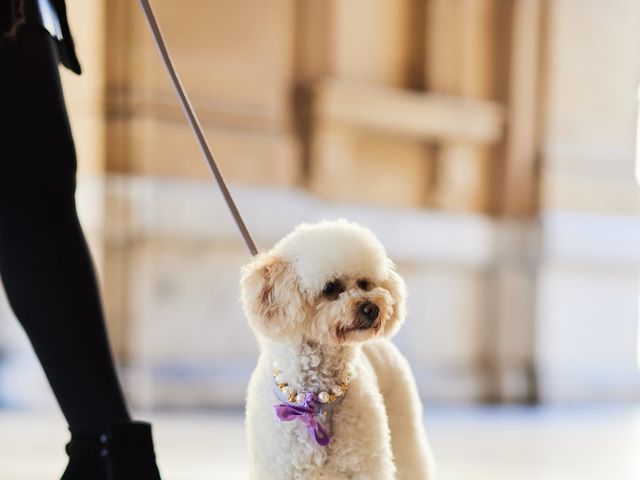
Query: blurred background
point(490, 144)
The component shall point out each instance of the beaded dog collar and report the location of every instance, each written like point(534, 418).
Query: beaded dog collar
point(313, 410)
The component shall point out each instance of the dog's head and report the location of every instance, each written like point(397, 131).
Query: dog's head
point(329, 282)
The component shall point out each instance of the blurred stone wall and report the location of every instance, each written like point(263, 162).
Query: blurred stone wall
point(587, 289)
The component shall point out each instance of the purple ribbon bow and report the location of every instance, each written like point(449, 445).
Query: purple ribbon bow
point(307, 414)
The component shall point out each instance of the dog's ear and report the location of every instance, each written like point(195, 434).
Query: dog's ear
point(271, 297)
point(395, 285)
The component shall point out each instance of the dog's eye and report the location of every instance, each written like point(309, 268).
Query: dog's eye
point(364, 284)
point(333, 288)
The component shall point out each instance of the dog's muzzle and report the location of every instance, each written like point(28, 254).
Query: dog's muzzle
point(367, 314)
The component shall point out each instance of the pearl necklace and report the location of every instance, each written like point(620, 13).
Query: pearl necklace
point(323, 396)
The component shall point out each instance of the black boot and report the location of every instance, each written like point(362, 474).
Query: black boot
point(88, 458)
point(124, 453)
point(132, 454)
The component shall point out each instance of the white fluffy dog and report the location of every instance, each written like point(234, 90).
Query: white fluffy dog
point(331, 397)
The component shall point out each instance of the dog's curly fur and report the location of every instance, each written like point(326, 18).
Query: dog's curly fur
point(302, 300)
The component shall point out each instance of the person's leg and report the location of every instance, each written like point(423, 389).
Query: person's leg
point(47, 270)
point(46, 267)
point(44, 261)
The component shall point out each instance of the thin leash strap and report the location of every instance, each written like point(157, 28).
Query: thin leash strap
point(195, 124)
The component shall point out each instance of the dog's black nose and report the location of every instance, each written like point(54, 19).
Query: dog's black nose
point(369, 310)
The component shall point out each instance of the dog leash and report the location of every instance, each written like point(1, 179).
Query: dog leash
point(194, 122)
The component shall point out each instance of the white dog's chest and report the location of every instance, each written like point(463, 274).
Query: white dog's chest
point(306, 459)
point(357, 429)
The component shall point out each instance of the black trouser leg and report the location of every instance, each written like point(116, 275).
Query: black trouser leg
point(44, 261)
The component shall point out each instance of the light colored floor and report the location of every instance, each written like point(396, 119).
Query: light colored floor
point(470, 444)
